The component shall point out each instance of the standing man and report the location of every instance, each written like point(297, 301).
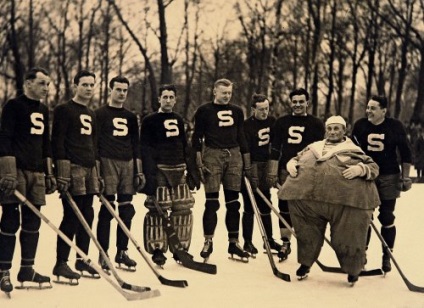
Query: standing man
point(164, 147)
point(222, 153)
point(121, 167)
point(257, 129)
point(291, 133)
point(25, 165)
point(74, 143)
point(382, 138)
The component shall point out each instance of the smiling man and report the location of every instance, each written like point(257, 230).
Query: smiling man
point(382, 138)
point(291, 133)
point(331, 181)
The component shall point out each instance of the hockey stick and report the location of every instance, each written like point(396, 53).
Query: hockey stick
point(410, 286)
point(163, 280)
point(284, 276)
point(373, 272)
point(129, 296)
point(174, 241)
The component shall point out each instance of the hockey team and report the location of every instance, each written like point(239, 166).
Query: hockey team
point(103, 152)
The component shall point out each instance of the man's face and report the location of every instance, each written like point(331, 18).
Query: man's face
point(335, 132)
point(261, 110)
point(299, 105)
point(375, 113)
point(118, 94)
point(38, 88)
point(223, 94)
point(167, 100)
point(85, 88)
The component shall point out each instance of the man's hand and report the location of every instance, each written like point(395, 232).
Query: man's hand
point(139, 181)
point(406, 184)
point(51, 184)
point(353, 172)
point(203, 170)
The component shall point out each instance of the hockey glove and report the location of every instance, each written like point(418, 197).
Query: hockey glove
point(203, 170)
point(272, 173)
point(139, 178)
point(8, 175)
point(406, 184)
point(50, 180)
point(292, 168)
point(353, 172)
point(100, 179)
point(63, 175)
point(192, 182)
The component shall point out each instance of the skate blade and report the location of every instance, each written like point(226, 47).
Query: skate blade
point(127, 269)
point(253, 256)
point(69, 283)
point(243, 260)
point(8, 295)
point(34, 287)
point(282, 259)
point(352, 284)
point(91, 276)
point(300, 278)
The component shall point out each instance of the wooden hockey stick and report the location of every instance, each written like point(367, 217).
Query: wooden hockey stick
point(129, 296)
point(163, 280)
point(283, 276)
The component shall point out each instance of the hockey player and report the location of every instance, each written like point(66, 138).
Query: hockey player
point(331, 181)
point(77, 171)
point(291, 133)
point(222, 154)
point(163, 147)
point(382, 138)
point(121, 167)
point(257, 129)
point(26, 165)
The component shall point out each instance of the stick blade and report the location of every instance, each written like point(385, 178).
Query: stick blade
point(188, 262)
point(173, 283)
point(141, 296)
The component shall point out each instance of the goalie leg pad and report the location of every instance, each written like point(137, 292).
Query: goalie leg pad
point(183, 225)
point(182, 199)
point(154, 234)
point(163, 197)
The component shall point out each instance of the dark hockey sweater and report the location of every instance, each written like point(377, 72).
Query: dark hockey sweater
point(25, 133)
point(382, 142)
point(74, 134)
point(163, 139)
point(118, 136)
point(258, 136)
point(291, 134)
point(221, 127)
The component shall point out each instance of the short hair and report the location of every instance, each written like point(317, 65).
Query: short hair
point(382, 100)
point(299, 91)
point(258, 98)
point(222, 82)
point(83, 73)
point(167, 87)
point(119, 79)
point(32, 73)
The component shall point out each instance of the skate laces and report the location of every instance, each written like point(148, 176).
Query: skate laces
point(207, 245)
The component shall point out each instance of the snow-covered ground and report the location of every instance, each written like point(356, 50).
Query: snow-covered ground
point(237, 284)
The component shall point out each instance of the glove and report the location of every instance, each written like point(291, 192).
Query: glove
point(203, 170)
point(292, 168)
point(252, 174)
point(272, 173)
point(139, 178)
point(353, 172)
point(50, 180)
point(100, 179)
point(8, 175)
point(192, 182)
point(63, 175)
point(406, 184)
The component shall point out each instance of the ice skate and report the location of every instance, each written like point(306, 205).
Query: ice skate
point(386, 265)
point(82, 266)
point(302, 272)
point(158, 257)
point(61, 269)
point(251, 249)
point(207, 250)
point(352, 279)
point(5, 284)
point(284, 252)
point(123, 258)
point(103, 264)
point(27, 274)
point(235, 249)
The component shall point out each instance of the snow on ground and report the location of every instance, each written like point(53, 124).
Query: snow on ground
point(237, 284)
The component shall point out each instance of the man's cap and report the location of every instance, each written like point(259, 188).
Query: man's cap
point(335, 120)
